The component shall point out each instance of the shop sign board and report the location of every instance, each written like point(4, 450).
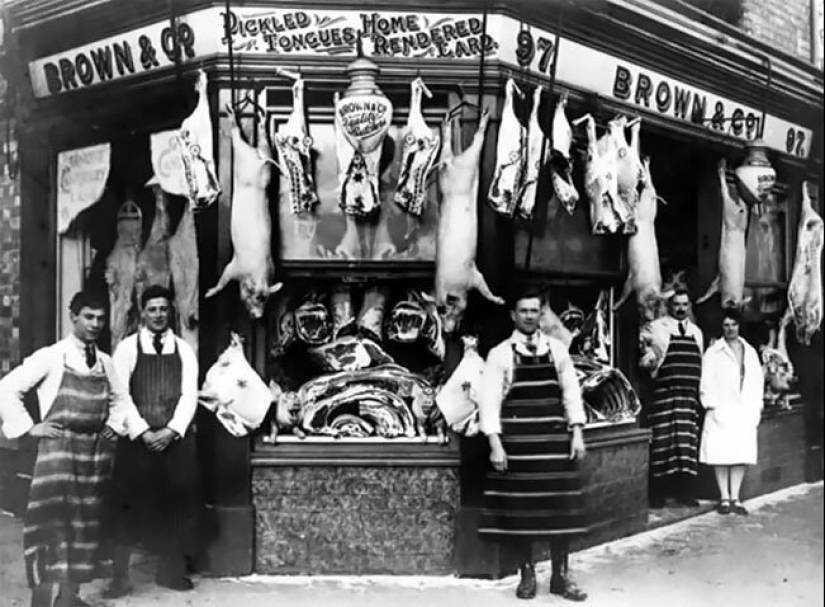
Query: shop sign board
point(298, 33)
point(166, 162)
point(81, 179)
point(818, 33)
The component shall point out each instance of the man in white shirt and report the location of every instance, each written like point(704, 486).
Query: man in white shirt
point(673, 413)
point(83, 407)
point(157, 502)
point(532, 413)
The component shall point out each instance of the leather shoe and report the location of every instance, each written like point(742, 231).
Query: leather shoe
point(527, 585)
point(737, 508)
point(723, 507)
point(567, 589)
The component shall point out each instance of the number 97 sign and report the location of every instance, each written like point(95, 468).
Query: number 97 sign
point(795, 142)
point(534, 53)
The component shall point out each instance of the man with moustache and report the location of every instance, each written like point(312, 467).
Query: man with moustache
point(83, 407)
point(673, 413)
point(532, 413)
point(156, 502)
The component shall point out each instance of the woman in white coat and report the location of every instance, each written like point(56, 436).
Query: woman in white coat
point(731, 390)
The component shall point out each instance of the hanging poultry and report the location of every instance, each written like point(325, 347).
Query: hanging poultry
point(536, 142)
point(293, 143)
point(730, 281)
point(456, 272)
point(561, 164)
point(419, 155)
point(511, 153)
point(250, 224)
point(195, 146)
point(805, 288)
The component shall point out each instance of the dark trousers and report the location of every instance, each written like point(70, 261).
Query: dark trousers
point(559, 551)
point(678, 485)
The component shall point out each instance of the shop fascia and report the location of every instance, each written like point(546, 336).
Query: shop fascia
point(290, 35)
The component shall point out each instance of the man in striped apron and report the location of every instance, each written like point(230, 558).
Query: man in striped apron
point(673, 414)
point(83, 407)
point(156, 500)
point(531, 411)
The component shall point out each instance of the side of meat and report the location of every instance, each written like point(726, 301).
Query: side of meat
point(196, 151)
point(407, 320)
point(630, 174)
point(561, 166)
point(550, 324)
point(730, 281)
point(511, 155)
point(251, 226)
point(457, 398)
point(433, 332)
point(456, 272)
point(593, 339)
point(294, 145)
point(536, 142)
point(600, 181)
point(349, 354)
point(776, 364)
point(644, 275)
point(607, 392)
point(419, 155)
point(183, 258)
point(343, 316)
point(313, 324)
point(121, 267)
point(373, 309)
point(232, 384)
point(805, 288)
point(153, 267)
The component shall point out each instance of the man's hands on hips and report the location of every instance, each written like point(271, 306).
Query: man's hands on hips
point(577, 448)
point(158, 440)
point(109, 434)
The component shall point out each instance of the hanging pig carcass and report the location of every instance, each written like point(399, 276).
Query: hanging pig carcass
point(805, 289)
point(600, 180)
point(456, 273)
point(250, 224)
point(185, 267)
point(153, 267)
point(121, 267)
point(630, 174)
point(730, 281)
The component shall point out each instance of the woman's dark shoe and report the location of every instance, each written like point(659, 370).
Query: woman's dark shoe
point(567, 589)
point(737, 508)
point(723, 507)
point(527, 585)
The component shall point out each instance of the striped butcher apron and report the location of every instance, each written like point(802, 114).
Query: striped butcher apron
point(156, 500)
point(61, 533)
point(539, 497)
point(673, 417)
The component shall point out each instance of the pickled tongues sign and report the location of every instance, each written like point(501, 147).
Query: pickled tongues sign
point(384, 34)
point(82, 176)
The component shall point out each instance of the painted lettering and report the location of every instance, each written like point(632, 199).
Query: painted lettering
point(700, 106)
point(644, 87)
point(622, 83)
point(68, 74)
point(85, 70)
point(682, 103)
point(124, 62)
point(664, 97)
point(102, 59)
point(148, 54)
point(52, 75)
point(737, 121)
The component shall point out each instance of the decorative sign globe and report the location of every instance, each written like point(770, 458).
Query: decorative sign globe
point(755, 177)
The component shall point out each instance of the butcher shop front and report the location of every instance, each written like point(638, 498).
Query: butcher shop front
point(300, 177)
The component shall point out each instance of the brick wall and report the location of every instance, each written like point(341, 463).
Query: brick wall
point(9, 258)
point(355, 520)
point(784, 25)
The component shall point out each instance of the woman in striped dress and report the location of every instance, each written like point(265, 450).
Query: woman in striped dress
point(532, 413)
point(83, 408)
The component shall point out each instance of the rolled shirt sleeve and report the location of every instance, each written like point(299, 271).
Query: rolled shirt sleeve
point(494, 384)
point(15, 385)
point(188, 401)
point(569, 383)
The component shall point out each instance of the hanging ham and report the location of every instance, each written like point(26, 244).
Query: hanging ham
point(536, 142)
point(121, 266)
point(561, 165)
point(153, 266)
point(418, 158)
point(250, 224)
point(456, 272)
point(293, 143)
point(644, 275)
point(196, 151)
point(511, 155)
point(600, 180)
point(805, 289)
point(183, 260)
point(730, 281)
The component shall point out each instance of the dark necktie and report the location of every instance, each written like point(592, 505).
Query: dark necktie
point(158, 343)
point(91, 356)
point(682, 330)
point(532, 347)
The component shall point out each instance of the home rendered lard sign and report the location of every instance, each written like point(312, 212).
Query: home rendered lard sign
point(291, 35)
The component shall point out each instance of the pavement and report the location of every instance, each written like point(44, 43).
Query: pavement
point(774, 557)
